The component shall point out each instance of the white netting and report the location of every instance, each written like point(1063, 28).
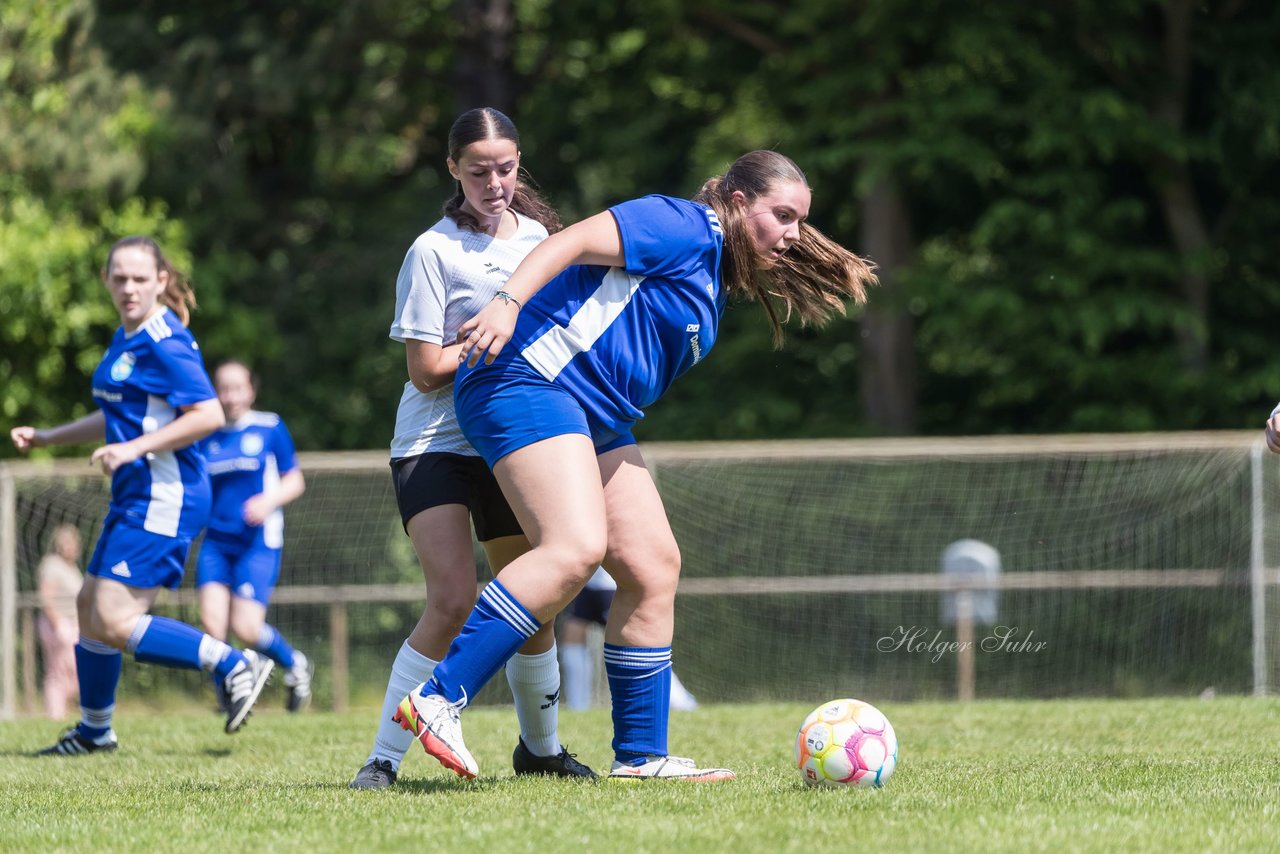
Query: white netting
point(813, 569)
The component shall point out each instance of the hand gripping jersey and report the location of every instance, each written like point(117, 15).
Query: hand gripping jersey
point(247, 458)
point(448, 275)
point(617, 338)
point(140, 386)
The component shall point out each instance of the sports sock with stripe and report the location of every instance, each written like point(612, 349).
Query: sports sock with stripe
point(274, 646)
point(496, 628)
point(640, 685)
point(98, 673)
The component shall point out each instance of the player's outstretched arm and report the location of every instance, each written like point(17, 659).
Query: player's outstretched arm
point(90, 428)
point(595, 240)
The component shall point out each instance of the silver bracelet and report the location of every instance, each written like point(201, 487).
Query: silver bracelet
point(506, 297)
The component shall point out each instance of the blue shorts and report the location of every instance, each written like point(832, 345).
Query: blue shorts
point(508, 405)
point(592, 604)
point(134, 556)
point(250, 570)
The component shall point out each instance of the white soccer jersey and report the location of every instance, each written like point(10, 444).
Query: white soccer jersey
point(448, 275)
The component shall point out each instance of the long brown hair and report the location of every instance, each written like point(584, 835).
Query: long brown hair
point(812, 280)
point(178, 295)
point(485, 123)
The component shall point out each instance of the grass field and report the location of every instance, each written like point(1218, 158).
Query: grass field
point(1104, 775)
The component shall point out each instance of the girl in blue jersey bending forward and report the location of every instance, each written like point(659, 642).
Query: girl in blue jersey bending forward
point(154, 403)
point(593, 326)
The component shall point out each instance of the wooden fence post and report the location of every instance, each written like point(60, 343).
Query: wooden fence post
point(339, 662)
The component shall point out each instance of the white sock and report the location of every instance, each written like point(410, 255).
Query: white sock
point(535, 687)
point(579, 675)
point(410, 669)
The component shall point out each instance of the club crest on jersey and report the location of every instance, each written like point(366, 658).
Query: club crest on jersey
point(122, 367)
point(251, 444)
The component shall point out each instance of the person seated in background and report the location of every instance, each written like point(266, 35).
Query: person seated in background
point(58, 581)
point(577, 662)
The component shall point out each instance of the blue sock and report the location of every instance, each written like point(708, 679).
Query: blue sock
point(273, 645)
point(160, 640)
point(98, 672)
point(640, 685)
point(497, 627)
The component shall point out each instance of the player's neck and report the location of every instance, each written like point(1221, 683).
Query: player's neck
point(503, 226)
point(132, 328)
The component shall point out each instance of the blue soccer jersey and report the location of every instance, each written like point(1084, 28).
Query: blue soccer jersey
point(617, 338)
point(245, 459)
point(141, 385)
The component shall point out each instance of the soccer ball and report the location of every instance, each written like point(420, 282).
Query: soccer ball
point(846, 743)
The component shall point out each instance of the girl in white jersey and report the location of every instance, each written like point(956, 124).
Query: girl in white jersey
point(442, 485)
point(155, 403)
point(590, 347)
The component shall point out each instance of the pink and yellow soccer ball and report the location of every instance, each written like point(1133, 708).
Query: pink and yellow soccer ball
point(846, 743)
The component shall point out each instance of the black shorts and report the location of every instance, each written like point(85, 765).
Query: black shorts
point(592, 604)
point(434, 479)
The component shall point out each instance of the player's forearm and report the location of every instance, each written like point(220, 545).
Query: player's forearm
point(191, 426)
point(431, 366)
point(90, 428)
point(292, 485)
point(595, 240)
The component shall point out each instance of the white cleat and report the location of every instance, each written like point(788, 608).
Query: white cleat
point(435, 722)
point(669, 768)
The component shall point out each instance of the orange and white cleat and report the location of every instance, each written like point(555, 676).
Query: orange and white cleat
point(435, 722)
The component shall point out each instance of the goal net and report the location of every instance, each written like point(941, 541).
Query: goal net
point(1086, 566)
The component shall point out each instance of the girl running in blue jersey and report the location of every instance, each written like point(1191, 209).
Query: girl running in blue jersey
point(155, 403)
point(442, 486)
point(573, 354)
point(254, 474)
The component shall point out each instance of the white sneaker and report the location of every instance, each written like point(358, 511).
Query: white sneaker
point(668, 768)
point(298, 683)
point(243, 685)
point(435, 722)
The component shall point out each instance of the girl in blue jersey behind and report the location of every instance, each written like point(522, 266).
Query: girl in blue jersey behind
point(254, 473)
point(442, 486)
point(155, 402)
point(594, 326)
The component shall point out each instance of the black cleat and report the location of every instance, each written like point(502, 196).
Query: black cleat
point(563, 764)
point(73, 743)
point(378, 774)
point(243, 685)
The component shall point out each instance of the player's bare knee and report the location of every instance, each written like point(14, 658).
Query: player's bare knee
point(450, 609)
point(247, 629)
